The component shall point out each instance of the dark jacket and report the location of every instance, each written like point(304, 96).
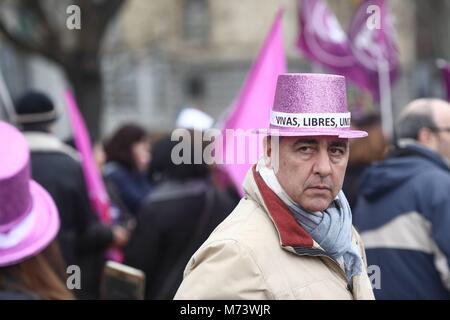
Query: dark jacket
point(17, 295)
point(176, 218)
point(352, 183)
point(403, 214)
point(131, 186)
point(82, 238)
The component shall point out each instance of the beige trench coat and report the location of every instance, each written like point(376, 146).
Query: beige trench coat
point(261, 252)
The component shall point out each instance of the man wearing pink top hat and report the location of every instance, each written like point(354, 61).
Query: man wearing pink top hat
point(291, 236)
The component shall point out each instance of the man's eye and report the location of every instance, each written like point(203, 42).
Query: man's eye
point(337, 151)
point(306, 149)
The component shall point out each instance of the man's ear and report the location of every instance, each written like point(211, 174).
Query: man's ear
point(267, 151)
point(427, 137)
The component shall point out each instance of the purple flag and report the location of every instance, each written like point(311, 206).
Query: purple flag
point(374, 44)
point(251, 109)
point(322, 38)
point(357, 56)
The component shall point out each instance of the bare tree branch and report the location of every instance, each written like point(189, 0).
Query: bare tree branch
point(27, 46)
point(81, 59)
point(96, 15)
point(108, 10)
point(51, 35)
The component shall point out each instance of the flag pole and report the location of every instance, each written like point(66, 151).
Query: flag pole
point(317, 68)
point(444, 67)
point(7, 100)
point(384, 85)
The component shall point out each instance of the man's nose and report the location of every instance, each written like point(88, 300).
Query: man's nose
point(322, 165)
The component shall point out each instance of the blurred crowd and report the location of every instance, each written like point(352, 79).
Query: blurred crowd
point(162, 212)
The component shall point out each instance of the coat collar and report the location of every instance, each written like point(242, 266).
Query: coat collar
point(290, 233)
point(45, 142)
point(410, 147)
point(292, 236)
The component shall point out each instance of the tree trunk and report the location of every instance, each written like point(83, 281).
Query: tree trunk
point(87, 86)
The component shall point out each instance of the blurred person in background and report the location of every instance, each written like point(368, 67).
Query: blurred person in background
point(175, 218)
point(403, 209)
point(56, 166)
point(195, 119)
point(30, 262)
point(127, 160)
point(363, 152)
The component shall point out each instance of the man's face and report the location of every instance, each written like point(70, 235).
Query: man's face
point(311, 169)
point(442, 120)
point(444, 144)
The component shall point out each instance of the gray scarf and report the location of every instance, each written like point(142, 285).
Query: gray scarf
point(331, 229)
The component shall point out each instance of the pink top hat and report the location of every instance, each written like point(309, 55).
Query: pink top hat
point(308, 104)
point(29, 219)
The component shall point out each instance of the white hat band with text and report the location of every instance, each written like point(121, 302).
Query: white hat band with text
point(310, 120)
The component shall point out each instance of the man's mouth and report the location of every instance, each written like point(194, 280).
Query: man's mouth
point(319, 190)
point(320, 187)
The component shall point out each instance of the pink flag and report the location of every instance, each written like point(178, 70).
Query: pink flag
point(357, 56)
point(98, 196)
point(97, 192)
point(252, 107)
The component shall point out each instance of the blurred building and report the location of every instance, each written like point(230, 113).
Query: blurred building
point(172, 45)
point(23, 71)
point(162, 55)
point(186, 52)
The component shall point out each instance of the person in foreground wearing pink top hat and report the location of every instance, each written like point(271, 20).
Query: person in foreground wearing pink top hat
point(291, 236)
point(83, 238)
point(29, 223)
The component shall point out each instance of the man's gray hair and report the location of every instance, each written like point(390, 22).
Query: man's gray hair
point(410, 123)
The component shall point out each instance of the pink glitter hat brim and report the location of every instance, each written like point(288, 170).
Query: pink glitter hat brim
point(45, 229)
point(341, 133)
